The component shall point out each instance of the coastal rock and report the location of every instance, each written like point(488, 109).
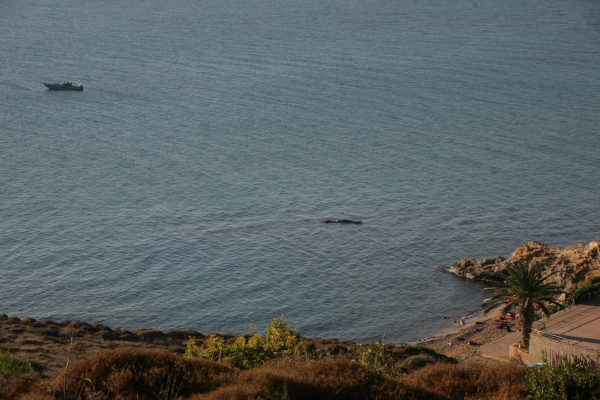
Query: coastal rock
point(477, 269)
point(573, 265)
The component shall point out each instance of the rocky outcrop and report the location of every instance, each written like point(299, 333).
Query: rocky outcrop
point(573, 265)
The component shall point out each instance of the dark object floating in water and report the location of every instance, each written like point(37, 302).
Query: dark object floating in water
point(64, 86)
point(342, 221)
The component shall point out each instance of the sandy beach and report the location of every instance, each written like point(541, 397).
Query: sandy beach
point(464, 341)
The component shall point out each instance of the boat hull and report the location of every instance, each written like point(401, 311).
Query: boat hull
point(61, 86)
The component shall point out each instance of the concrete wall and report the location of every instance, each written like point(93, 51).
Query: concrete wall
point(555, 352)
point(520, 356)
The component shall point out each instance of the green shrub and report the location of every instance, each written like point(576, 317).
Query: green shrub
point(394, 361)
point(243, 353)
point(280, 341)
point(253, 351)
point(417, 350)
point(419, 361)
point(564, 382)
point(379, 357)
point(594, 280)
point(214, 348)
point(11, 367)
point(192, 349)
point(590, 288)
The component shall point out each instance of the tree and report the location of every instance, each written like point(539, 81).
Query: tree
point(524, 286)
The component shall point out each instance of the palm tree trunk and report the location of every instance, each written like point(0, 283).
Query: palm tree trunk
point(527, 316)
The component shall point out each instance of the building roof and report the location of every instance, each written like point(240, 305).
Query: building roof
point(578, 325)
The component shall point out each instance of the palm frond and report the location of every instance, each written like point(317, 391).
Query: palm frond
point(524, 285)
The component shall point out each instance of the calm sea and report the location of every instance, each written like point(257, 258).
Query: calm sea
point(186, 186)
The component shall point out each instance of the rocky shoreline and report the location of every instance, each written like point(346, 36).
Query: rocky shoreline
point(571, 265)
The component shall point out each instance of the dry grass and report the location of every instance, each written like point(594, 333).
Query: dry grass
point(27, 387)
point(326, 380)
point(107, 367)
point(142, 373)
point(127, 374)
point(470, 382)
point(161, 374)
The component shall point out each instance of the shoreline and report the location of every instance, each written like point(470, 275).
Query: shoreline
point(463, 341)
point(456, 324)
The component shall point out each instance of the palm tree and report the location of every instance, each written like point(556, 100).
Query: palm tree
point(523, 285)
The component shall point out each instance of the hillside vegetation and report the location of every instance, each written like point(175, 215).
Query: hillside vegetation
point(130, 374)
point(282, 365)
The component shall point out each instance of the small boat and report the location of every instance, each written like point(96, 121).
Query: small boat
point(341, 221)
point(64, 86)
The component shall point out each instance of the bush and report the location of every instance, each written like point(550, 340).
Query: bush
point(564, 382)
point(589, 289)
point(324, 380)
point(409, 351)
point(281, 339)
point(379, 357)
point(140, 374)
point(11, 367)
point(280, 342)
point(395, 361)
point(419, 361)
point(241, 354)
point(25, 387)
point(470, 382)
point(418, 350)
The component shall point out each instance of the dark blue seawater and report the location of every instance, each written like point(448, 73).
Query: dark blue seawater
point(185, 187)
